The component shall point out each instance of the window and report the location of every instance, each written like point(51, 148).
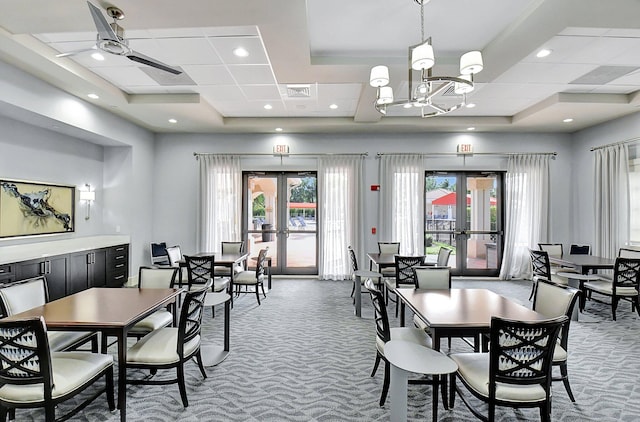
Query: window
point(634, 195)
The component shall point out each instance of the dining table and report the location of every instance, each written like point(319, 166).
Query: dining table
point(461, 312)
point(111, 311)
point(582, 263)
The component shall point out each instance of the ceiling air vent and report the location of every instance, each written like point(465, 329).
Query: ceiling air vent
point(298, 91)
point(603, 75)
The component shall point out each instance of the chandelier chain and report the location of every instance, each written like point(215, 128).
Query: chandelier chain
point(422, 21)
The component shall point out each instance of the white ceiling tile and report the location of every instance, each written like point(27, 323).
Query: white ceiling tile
point(542, 73)
point(602, 50)
point(228, 31)
point(252, 74)
point(125, 76)
point(225, 46)
point(261, 92)
point(67, 36)
point(187, 51)
point(209, 74)
point(222, 93)
point(331, 93)
point(561, 47)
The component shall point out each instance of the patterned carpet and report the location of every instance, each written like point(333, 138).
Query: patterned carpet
point(303, 356)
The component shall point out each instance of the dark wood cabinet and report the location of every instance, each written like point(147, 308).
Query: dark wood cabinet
point(54, 268)
point(86, 269)
point(98, 269)
point(7, 273)
point(117, 265)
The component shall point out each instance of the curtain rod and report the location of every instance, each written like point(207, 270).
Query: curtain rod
point(502, 154)
point(628, 141)
point(268, 154)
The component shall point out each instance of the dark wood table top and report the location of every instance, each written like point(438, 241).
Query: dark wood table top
point(460, 308)
point(583, 261)
point(99, 307)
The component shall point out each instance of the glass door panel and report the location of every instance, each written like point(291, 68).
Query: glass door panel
point(469, 224)
point(280, 213)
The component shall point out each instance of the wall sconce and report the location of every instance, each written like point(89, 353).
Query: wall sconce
point(88, 196)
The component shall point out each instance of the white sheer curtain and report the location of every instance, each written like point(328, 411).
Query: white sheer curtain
point(220, 201)
point(527, 211)
point(401, 202)
point(340, 199)
point(611, 188)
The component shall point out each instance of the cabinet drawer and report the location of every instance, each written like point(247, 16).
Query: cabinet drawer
point(7, 273)
point(117, 278)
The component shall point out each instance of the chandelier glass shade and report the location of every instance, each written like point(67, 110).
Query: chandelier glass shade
point(433, 95)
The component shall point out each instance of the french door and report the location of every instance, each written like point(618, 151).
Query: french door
point(464, 212)
point(279, 212)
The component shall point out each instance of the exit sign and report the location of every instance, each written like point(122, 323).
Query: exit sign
point(281, 149)
point(465, 149)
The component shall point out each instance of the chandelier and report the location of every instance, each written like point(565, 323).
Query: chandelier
point(433, 95)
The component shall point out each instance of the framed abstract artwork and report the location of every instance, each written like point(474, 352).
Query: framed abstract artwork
point(33, 208)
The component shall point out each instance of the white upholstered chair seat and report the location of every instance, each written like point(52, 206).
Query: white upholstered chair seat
point(606, 287)
point(224, 271)
point(160, 347)
point(155, 321)
point(247, 278)
point(559, 354)
point(413, 335)
point(70, 371)
point(61, 340)
point(474, 369)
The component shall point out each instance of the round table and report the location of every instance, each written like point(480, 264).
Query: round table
point(406, 357)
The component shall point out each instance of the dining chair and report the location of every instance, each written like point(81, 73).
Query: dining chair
point(199, 272)
point(253, 278)
point(388, 272)
point(431, 278)
point(155, 278)
point(171, 347)
point(516, 372)
point(443, 258)
point(32, 292)
point(541, 269)
point(553, 249)
point(404, 275)
point(624, 286)
point(357, 273)
point(175, 257)
point(554, 301)
point(230, 248)
point(32, 375)
point(386, 333)
point(579, 249)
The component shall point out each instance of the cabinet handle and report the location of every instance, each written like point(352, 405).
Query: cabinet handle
point(93, 257)
point(119, 265)
point(3, 270)
point(89, 258)
point(120, 257)
point(120, 249)
point(118, 277)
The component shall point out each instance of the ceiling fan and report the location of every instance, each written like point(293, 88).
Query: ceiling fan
point(110, 39)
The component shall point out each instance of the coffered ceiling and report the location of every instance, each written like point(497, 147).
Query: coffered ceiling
point(309, 61)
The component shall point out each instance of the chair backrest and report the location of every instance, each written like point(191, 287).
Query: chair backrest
point(540, 264)
point(443, 257)
point(233, 247)
point(626, 273)
point(552, 301)
point(628, 253)
point(432, 277)
point(521, 352)
point(580, 249)
point(261, 262)
point(354, 259)
point(389, 247)
point(24, 353)
point(159, 253)
point(157, 278)
point(199, 269)
point(175, 254)
point(23, 295)
point(404, 268)
point(383, 330)
point(553, 249)
point(190, 323)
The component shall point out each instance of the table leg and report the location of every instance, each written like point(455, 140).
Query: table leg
point(401, 311)
point(358, 296)
point(436, 339)
point(436, 382)
point(227, 313)
point(269, 275)
point(122, 373)
point(398, 392)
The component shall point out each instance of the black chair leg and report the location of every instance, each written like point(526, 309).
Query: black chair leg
point(375, 365)
point(258, 295)
point(200, 365)
point(109, 387)
point(181, 386)
point(385, 384)
point(565, 381)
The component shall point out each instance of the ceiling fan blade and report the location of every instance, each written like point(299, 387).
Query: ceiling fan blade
point(74, 52)
point(141, 58)
point(105, 32)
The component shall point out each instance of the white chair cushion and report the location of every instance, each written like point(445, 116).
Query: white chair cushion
point(60, 340)
point(160, 347)
point(220, 270)
point(21, 297)
point(246, 277)
point(474, 369)
point(413, 335)
point(559, 354)
point(70, 371)
point(606, 287)
point(156, 320)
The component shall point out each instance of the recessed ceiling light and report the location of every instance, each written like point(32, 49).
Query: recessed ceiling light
point(97, 56)
point(278, 129)
point(268, 106)
point(93, 96)
point(471, 105)
point(543, 53)
point(569, 120)
point(240, 52)
point(471, 128)
point(173, 121)
point(407, 105)
point(333, 106)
